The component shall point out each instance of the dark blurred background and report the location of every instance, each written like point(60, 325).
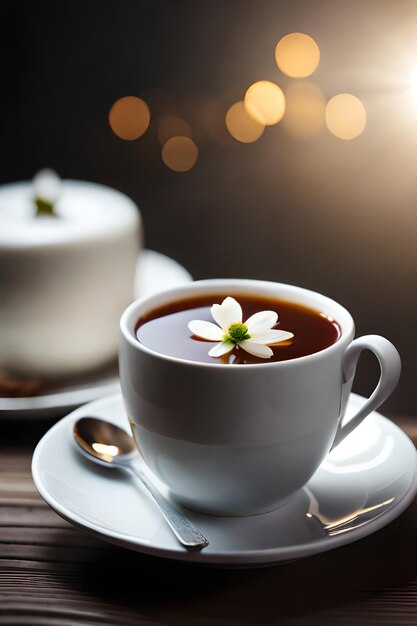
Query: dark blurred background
point(324, 213)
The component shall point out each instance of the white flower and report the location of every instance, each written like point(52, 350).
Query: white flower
point(47, 186)
point(254, 335)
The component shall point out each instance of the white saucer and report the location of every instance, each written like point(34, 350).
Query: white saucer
point(154, 272)
point(363, 484)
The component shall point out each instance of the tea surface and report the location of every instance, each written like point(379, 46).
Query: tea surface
point(165, 329)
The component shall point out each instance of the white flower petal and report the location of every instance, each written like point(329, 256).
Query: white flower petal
point(271, 337)
point(47, 185)
point(262, 321)
point(256, 349)
point(227, 313)
point(222, 348)
point(206, 330)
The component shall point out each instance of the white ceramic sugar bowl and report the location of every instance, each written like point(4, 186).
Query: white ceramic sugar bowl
point(64, 278)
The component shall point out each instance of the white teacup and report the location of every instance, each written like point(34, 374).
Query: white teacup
point(241, 439)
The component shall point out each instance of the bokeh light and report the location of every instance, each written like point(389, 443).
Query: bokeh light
point(265, 102)
point(297, 55)
point(129, 117)
point(179, 154)
point(345, 116)
point(172, 126)
point(241, 125)
point(305, 106)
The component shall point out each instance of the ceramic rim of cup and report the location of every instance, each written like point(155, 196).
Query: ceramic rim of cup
point(298, 295)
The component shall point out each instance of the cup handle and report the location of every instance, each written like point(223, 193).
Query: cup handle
point(390, 364)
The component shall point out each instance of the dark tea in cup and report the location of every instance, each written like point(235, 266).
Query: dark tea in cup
point(165, 329)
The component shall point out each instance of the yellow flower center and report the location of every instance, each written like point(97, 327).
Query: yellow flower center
point(236, 333)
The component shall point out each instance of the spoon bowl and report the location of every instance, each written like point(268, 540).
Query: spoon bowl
point(105, 441)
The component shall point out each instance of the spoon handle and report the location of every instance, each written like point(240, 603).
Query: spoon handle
point(180, 525)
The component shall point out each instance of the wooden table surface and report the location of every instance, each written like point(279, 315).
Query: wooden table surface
point(53, 574)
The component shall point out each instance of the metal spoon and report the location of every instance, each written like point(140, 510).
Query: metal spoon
point(111, 446)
